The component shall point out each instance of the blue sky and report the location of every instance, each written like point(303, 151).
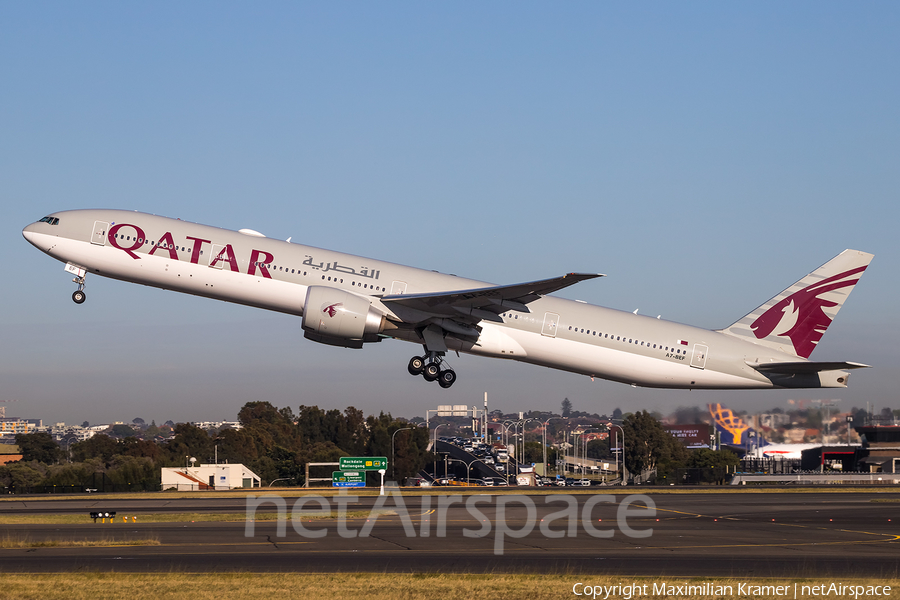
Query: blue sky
point(704, 156)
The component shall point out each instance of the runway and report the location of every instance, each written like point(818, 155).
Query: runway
point(688, 535)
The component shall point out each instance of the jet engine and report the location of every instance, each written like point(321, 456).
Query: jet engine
point(339, 318)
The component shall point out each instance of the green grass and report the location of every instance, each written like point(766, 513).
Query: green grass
point(349, 586)
point(14, 542)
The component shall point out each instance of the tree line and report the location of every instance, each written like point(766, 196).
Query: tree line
point(272, 442)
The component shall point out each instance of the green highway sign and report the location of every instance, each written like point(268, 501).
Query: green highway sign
point(348, 479)
point(362, 463)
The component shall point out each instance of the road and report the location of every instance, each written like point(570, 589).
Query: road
point(710, 534)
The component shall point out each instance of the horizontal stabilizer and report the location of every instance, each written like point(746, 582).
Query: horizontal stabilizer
point(790, 368)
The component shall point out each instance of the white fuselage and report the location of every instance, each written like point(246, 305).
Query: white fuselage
point(783, 451)
point(246, 268)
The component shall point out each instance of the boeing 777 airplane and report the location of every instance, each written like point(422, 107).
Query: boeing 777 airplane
point(349, 301)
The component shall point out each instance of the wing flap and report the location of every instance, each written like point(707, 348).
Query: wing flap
point(494, 299)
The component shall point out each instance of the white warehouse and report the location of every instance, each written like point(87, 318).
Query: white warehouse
point(209, 477)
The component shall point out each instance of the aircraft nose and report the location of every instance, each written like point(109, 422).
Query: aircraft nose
point(29, 233)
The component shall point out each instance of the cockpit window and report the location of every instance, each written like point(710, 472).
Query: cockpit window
point(50, 220)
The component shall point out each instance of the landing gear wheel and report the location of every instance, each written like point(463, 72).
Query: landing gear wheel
point(416, 365)
point(78, 297)
point(431, 372)
point(447, 378)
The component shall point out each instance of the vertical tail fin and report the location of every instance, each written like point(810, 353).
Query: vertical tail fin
point(795, 320)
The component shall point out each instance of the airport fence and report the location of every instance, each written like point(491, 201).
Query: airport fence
point(696, 476)
point(81, 489)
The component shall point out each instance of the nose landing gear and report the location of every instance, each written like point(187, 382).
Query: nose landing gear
point(429, 367)
point(78, 296)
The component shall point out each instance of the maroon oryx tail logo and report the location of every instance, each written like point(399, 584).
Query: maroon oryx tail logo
point(331, 309)
point(801, 316)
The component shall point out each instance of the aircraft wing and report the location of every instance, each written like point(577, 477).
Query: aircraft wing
point(484, 303)
point(790, 368)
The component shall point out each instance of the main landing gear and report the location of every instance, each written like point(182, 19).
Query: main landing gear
point(429, 367)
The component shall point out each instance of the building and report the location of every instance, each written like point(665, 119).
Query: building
point(74, 433)
point(9, 453)
point(881, 448)
point(207, 425)
point(12, 426)
point(837, 457)
point(209, 477)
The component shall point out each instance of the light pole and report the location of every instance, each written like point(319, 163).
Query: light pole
point(544, 432)
point(524, 422)
point(459, 461)
point(849, 427)
point(468, 466)
point(611, 424)
point(584, 448)
point(434, 447)
point(435, 434)
point(393, 470)
point(506, 425)
point(520, 457)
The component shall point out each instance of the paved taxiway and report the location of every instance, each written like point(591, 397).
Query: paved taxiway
point(710, 534)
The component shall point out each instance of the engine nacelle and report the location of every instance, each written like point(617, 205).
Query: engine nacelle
point(339, 318)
